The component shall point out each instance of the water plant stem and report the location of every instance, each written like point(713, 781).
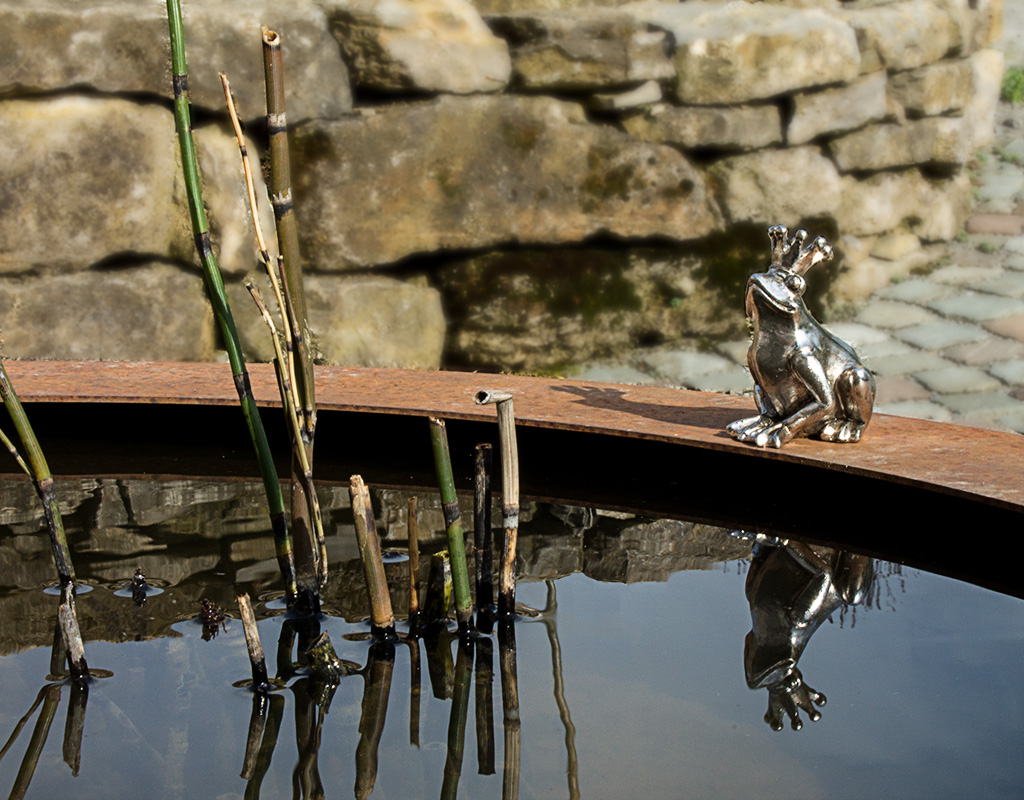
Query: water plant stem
point(453, 525)
point(482, 550)
point(39, 471)
point(413, 538)
point(509, 497)
point(381, 615)
point(219, 301)
point(257, 660)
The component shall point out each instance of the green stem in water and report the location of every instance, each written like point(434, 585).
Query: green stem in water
point(453, 523)
point(42, 479)
point(218, 298)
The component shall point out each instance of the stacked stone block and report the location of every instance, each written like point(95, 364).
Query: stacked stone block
point(565, 177)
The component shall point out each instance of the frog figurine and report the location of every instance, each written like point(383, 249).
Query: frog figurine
point(807, 381)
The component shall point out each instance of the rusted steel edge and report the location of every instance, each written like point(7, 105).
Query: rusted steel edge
point(977, 464)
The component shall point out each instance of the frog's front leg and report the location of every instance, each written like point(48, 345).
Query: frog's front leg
point(747, 429)
point(805, 366)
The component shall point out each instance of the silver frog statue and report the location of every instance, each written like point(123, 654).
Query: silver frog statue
point(807, 381)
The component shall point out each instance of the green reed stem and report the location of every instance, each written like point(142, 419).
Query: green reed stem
point(42, 479)
point(453, 524)
point(219, 300)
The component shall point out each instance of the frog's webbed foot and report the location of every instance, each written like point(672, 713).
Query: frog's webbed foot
point(789, 696)
point(749, 428)
point(842, 430)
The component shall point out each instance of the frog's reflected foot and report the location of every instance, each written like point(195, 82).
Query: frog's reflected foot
point(842, 430)
point(789, 697)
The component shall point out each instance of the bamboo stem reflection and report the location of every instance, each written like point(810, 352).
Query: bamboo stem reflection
point(379, 670)
point(51, 697)
point(548, 618)
point(267, 713)
point(484, 707)
point(510, 711)
point(457, 720)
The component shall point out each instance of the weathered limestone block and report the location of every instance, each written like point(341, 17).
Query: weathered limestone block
point(541, 310)
point(157, 312)
point(902, 35)
point(356, 321)
point(480, 171)
point(980, 110)
point(736, 52)
point(725, 128)
point(581, 50)
point(643, 95)
point(82, 179)
point(426, 45)
point(933, 209)
point(932, 140)
point(776, 186)
point(857, 281)
point(834, 110)
point(514, 6)
point(939, 88)
point(123, 48)
point(979, 22)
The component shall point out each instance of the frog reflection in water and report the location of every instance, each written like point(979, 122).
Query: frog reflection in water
point(807, 381)
point(792, 588)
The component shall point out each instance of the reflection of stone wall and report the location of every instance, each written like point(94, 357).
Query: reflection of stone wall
point(212, 539)
point(434, 139)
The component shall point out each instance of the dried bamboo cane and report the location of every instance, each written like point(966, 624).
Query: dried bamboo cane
point(482, 550)
point(68, 620)
point(413, 538)
point(509, 497)
point(39, 471)
point(382, 616)
point(453, 524)
point(309, 557)
point(257, 660)
point(219, 301)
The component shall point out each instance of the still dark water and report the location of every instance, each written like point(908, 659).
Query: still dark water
point(626, 689)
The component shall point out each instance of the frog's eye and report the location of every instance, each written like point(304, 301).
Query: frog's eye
point(796, 284)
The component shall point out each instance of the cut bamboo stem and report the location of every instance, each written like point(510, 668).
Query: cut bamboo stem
point(219, 301)
point(453, 525)
point(381, 614)
point(69, 629)
point(482, 550)
point(39, 471)
point(257, 659)
point(413, 537)
point(439, 591)
point(510, 497)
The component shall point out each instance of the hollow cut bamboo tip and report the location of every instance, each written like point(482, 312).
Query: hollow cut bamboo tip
point(381, 614)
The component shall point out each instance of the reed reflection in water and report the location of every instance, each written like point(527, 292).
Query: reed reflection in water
point(608, 690)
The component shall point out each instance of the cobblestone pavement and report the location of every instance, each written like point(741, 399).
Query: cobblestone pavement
point(946, 343)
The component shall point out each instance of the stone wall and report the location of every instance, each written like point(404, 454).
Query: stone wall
point(505, 183)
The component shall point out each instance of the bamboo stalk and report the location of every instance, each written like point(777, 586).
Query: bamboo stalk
point(439, 591)
point(413, 538)
point(219, 301)
point(284, 214)
point(453, 524)
point(482, 550)
point(382, 616)
point(68, 620)
point(510, 497)
point(257, 660)
point(39, 471)
point(415, 680)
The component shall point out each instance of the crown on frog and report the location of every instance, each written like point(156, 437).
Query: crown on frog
point(789, 254)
